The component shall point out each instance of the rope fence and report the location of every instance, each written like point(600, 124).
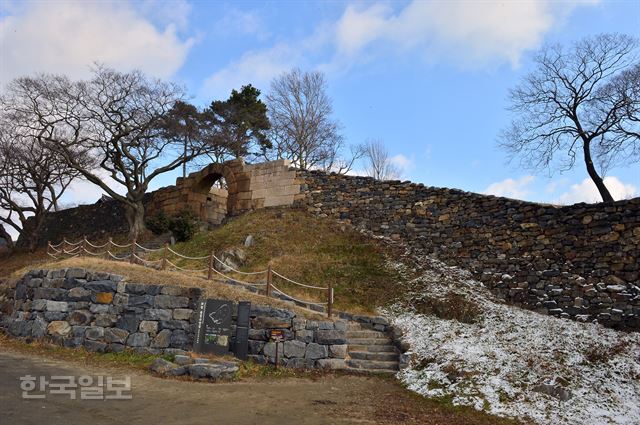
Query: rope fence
point(80, 248)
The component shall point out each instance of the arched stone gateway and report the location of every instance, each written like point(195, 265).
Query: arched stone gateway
point(248, 187)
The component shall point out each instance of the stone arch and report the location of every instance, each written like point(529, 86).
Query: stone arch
point(204, 180)
point(249, 187)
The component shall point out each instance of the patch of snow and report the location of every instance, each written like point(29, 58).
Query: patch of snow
point(513, 362)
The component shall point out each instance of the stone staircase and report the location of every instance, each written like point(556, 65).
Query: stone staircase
point(370, 351)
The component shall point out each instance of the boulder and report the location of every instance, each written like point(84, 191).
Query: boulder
point(162, 366)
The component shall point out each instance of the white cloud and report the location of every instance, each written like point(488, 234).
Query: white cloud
point(67, 37)
point(403, 163)
point(255, 67)
point(475, 33)
point(511, 188)
point(470, 32)
point(246, 22)
point(586, 191)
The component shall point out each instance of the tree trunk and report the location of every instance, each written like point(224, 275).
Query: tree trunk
point(7, 237)
point(591, 169)
point(135, 217)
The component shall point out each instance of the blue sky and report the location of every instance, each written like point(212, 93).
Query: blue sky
point(430, 79)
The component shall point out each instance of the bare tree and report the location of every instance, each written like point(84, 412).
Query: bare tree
point(302, 129)
point(378, 164)
point(121, 119)
point(578, 101)
point(32, 180)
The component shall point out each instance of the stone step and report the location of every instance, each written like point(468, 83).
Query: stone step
point(372, 365)
point(379, 356)
point(355, 326)
point(365, 334)
point(369, 341)
point(372, 348)
point(369, 371)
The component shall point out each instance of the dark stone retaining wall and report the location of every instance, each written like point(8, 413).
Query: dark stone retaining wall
point(579, 261)
point(97, 221)
point(100, 311)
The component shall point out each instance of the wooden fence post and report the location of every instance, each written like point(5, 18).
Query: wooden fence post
point(83, 247)
point(133, 251)
point(210, 266)
point(109, 243)
point(330, 300)
point(269, 280)
point(165, 253)
point(48, 246)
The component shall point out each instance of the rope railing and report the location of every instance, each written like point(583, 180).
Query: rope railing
point(298, 283)
point(187, 257)
point(81, 248)
point(148, 249)
point(295, 299)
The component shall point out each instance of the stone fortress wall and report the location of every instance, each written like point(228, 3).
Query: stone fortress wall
point(579, 261)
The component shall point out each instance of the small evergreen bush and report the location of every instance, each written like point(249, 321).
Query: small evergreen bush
point(158, 223)
point(183, 226)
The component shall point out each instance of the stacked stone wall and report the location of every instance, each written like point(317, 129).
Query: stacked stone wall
point(102, 312)
point(579, 261)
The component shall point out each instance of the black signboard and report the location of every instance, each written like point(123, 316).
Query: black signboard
point(214, 327)
point(241, 346)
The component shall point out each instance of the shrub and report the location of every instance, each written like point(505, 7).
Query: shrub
point(183, 226)
point(158, 223)
point(452, 306)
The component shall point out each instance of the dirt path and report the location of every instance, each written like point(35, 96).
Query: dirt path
point(331, 399)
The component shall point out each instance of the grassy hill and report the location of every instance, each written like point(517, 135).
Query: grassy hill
point(307, 249)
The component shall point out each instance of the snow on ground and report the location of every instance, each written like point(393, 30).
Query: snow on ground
point(516, 363)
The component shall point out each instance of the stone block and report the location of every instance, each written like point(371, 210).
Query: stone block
point(106, 320)
point(99, 308)
point(270, 323)
point(294, 348)
point(59, 306)
point(80, 318)
point(316, 351)
point(304, 336)
point(94, 332)
point(115, 335)
point(138, 339)
point(162, 339)
point(174, 290)
point(79, 294)
point(128, 322)
point(174, 324)
point(330, 337)
point(179, 339)
point(182, 313)
point(59, 328)
point(102, 297)
point(96, 346)
point(141, 301)
point(148, 326)
point(255, 347)
point(77, 273)
point(157, 314)
point(169, 301)
point(338, 351)
point(332, 364)
point(101, 286)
